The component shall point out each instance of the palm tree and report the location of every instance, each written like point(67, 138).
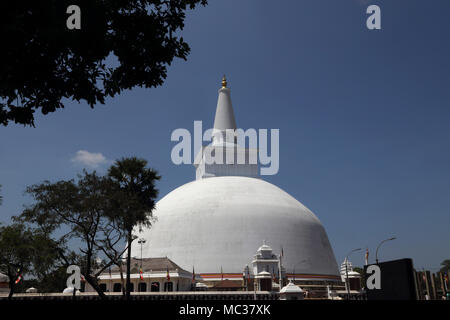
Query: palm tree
point(133, 200)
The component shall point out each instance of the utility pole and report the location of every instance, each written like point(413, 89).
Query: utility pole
point(141, 242)
point(280, 281)
point(376, 252)
point(347, 284)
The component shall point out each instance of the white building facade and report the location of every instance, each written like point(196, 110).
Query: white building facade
point(158, 275)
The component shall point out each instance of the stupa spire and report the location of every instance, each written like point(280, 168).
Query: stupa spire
point(224, 157)
point(224, 112)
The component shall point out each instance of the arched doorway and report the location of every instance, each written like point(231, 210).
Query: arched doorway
point(154, 287)
point(117, 287)
point(142, 287)
point(168, 286)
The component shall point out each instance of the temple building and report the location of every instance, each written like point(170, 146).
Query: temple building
point(215, 223)
point(354, 278)
point(147, 275)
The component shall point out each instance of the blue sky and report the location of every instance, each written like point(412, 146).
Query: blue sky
point(363, 117)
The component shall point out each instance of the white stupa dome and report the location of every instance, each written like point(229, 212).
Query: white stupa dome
point(216, 222)
point(264, 247)
point(291, 288)
point(354, 274)
point(219, 221)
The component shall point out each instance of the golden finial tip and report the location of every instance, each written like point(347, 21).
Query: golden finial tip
point(224, 82)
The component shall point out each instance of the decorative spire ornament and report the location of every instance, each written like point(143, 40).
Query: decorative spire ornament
point(224, 82)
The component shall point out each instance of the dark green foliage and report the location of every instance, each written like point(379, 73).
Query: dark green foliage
point(80, 208)
point(135, 192)
point(445, 266)
point(24, 251)
point(42, 62)
point(54, 281)
point(99, 212)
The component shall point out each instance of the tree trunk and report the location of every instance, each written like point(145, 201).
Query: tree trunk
point(11, 288)
point(74, 292)
point(12, 281)
point(121, 279)
point(129, 265)
point(96, 287)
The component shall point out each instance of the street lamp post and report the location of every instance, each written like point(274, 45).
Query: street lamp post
point(347, 285)
point(141, 242)
point(376, 252)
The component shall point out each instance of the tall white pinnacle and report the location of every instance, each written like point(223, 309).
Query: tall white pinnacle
point(224, 112)
point(220, 158)
point(224, 119)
